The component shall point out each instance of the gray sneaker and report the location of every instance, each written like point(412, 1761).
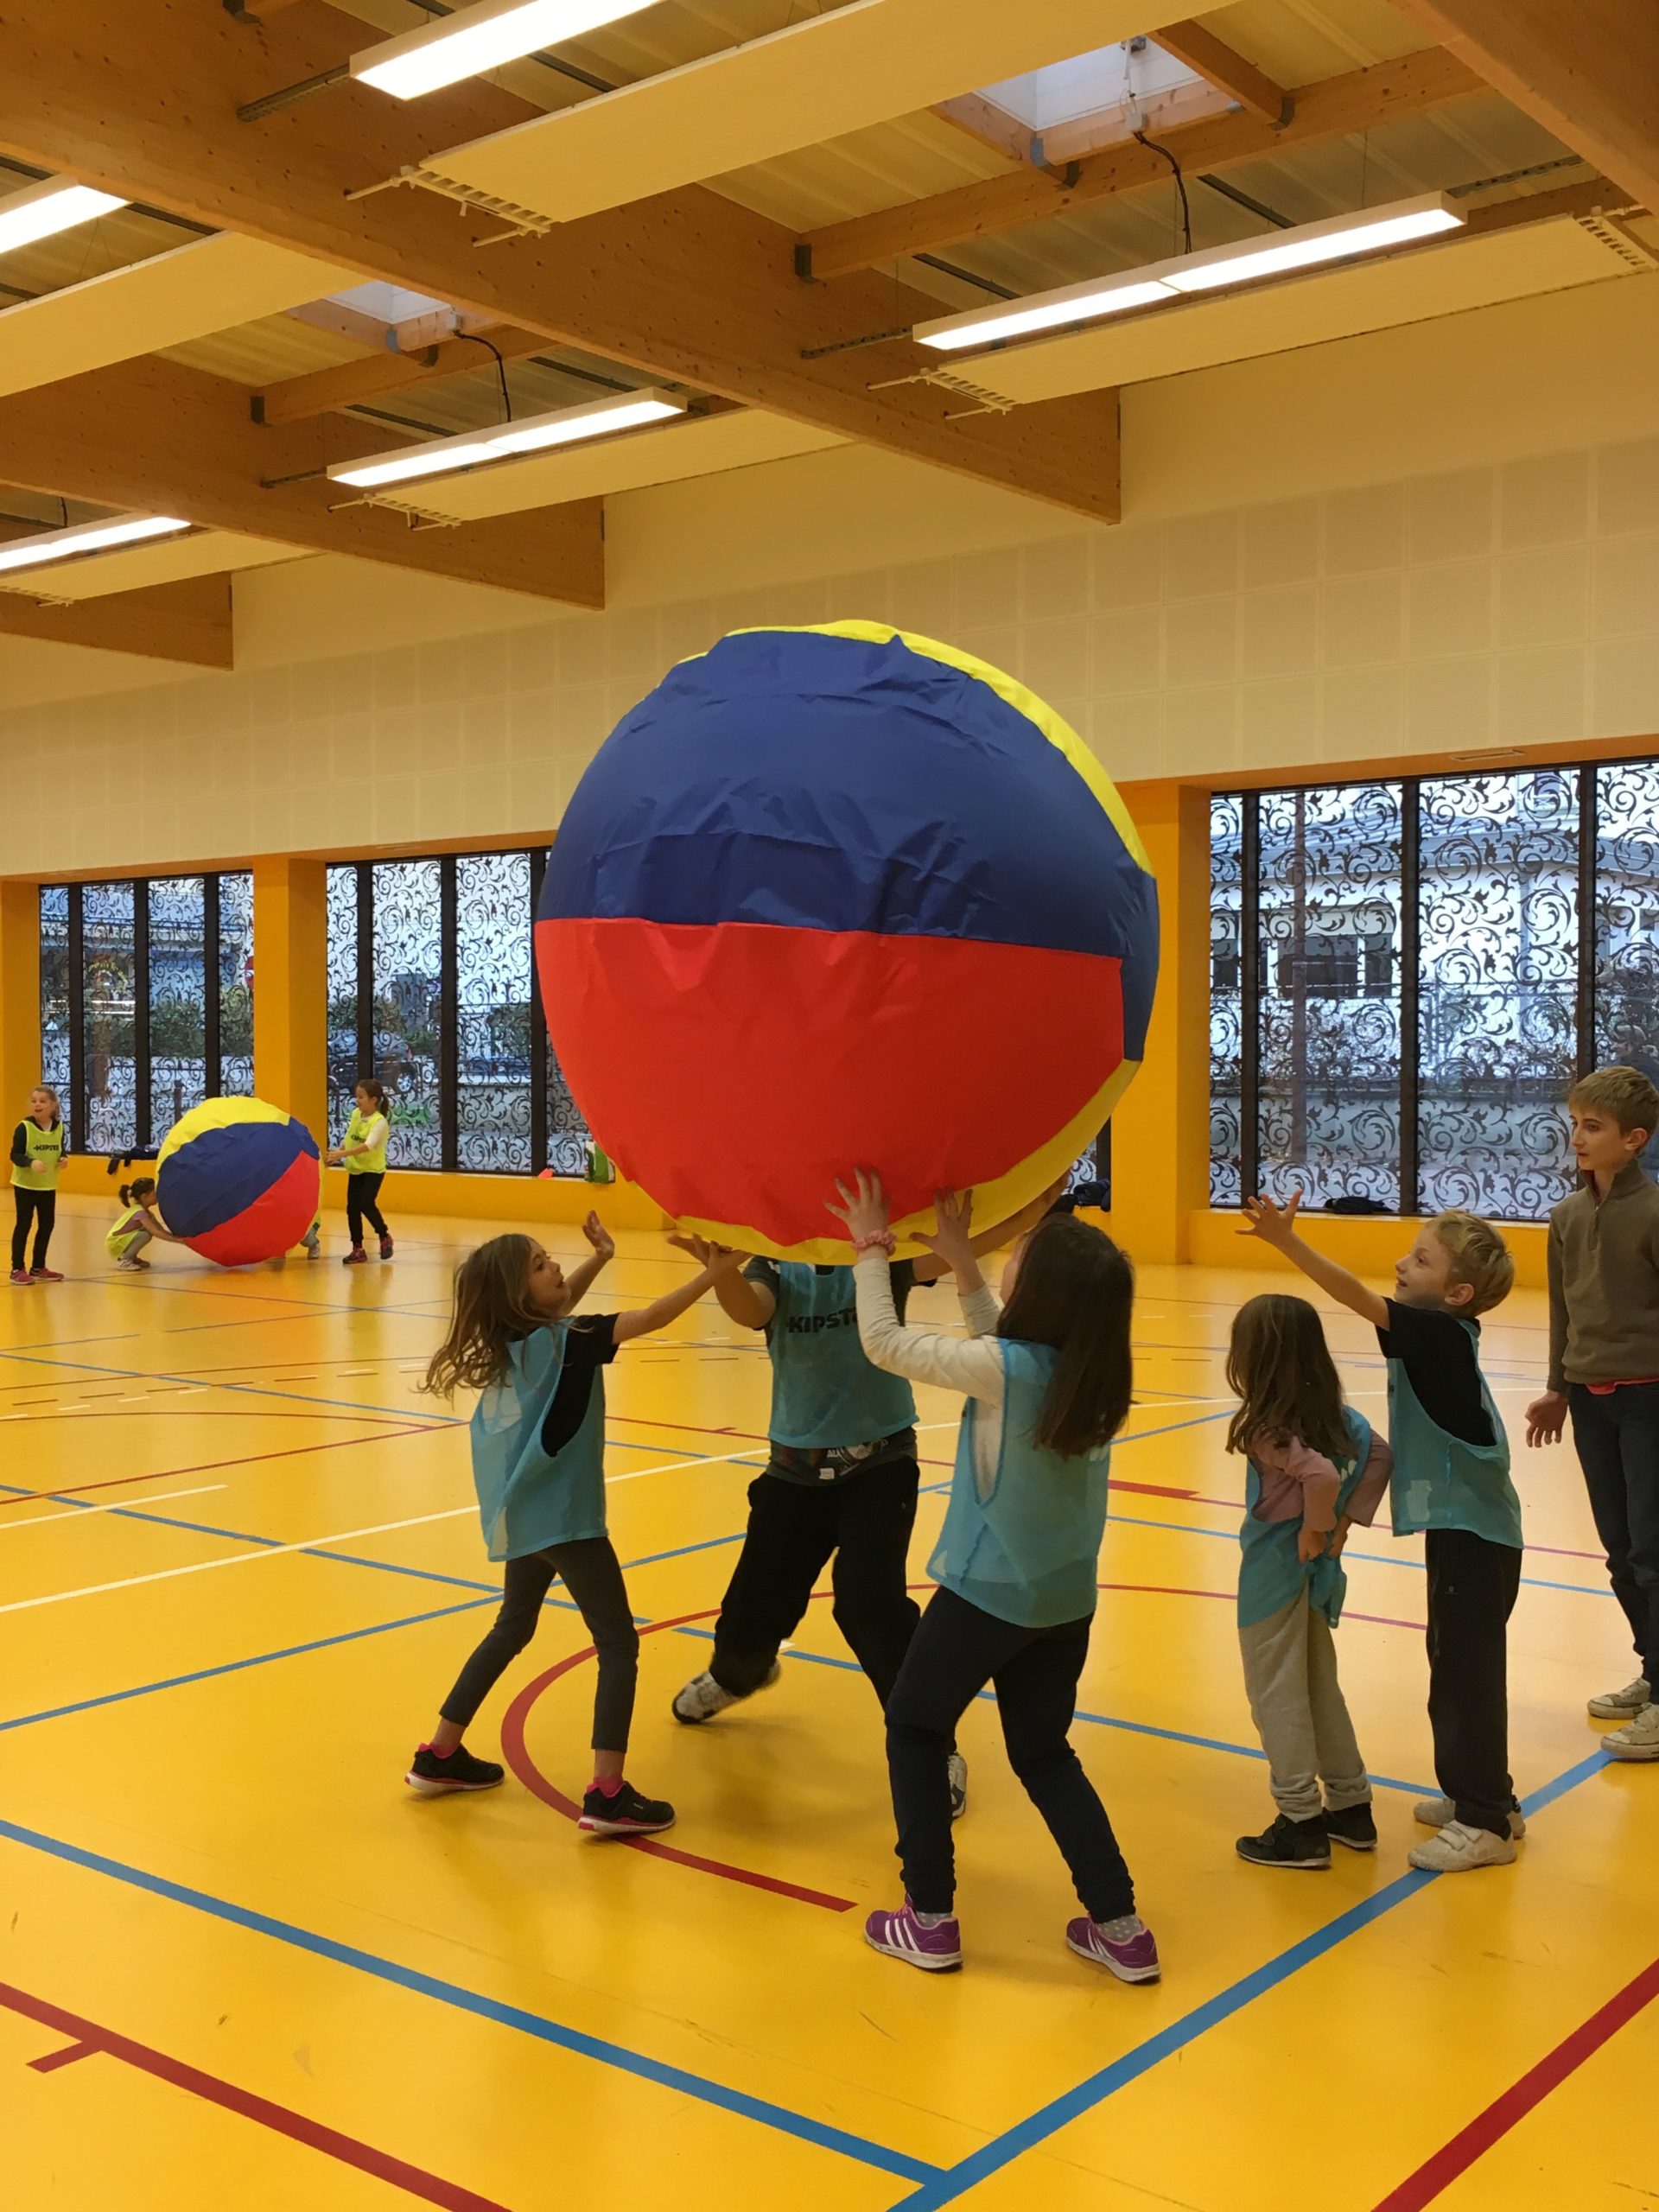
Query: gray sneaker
point(958, 1766)
point(702, 1697)
point(1620, 1705)
point(1637, 1740)
point(1458, 1850)
point(1440, 1812)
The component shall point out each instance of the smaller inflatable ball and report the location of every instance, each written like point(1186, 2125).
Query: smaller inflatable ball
point(239, 1180)
point(838, 897)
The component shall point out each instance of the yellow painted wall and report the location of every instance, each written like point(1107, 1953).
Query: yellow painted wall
point(1368, 1245)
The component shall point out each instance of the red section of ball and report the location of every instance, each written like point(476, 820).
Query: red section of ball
point(738, 1058)
point(273, 1225)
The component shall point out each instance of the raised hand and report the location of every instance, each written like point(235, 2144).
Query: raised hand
point(863, 1208)
point(1273, 1224)
point(952, 1239)
point(599, 1236)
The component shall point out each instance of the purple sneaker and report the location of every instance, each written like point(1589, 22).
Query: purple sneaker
point(901, 1935)
point(1125, 1946)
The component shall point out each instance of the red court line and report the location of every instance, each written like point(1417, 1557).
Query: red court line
point(517, 1758)
point(1437, 2173)
point(214, 1466)
point(90, 2039)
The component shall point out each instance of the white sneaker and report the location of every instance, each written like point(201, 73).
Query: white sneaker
point(958, 1766)
point(1638, 1739)
point(1439, 1812)
point(1620, 1705)
point(702, 1697)
point(1459, 1850)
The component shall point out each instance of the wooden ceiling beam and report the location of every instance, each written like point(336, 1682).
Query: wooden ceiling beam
point(188, 622)
point(1362, 100)
point(687, 286)
point(348, 384)
point(156, 437)
point(1229, 72)
point(1588, 70)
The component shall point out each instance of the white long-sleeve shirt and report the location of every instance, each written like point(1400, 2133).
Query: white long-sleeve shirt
point(972, 1365)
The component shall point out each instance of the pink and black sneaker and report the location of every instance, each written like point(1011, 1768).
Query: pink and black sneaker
point(902, 1935)
point(439, 1774)
point(1124, 1946)
point(623, 1812)
point(386, 1247)
point(356, 1257)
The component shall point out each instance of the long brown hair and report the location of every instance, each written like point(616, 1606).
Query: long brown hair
point(493, 1312)
point(1281, 1367)
point(1075, 1291)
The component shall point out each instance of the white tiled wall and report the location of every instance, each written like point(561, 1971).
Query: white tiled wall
point(1488, 608)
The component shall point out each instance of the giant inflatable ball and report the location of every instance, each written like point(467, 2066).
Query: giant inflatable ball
point(239, 1180)
point(844, 896)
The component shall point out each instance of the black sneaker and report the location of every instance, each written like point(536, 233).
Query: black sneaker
point(626, 1813)
point(436, 1777)
point(1297, 1846)
point(1353, 1827)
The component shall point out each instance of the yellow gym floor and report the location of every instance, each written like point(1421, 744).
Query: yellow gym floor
point(242, 1967)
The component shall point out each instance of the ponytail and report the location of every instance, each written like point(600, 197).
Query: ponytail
point(139, 1192)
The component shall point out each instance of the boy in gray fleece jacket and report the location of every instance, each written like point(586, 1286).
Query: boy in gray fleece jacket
point(1603, 1366)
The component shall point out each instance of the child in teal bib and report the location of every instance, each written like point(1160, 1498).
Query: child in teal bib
point(1452, 1482)
point(539, 1445)
point(1313, 1469)
point(1047, 1377)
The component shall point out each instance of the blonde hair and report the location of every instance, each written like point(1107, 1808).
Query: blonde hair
point(45, 1090)
point(1479, 1257)
point(1625, 1093)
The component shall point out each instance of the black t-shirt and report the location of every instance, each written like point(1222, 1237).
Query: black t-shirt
point(1442, 1364)
point(590, 1344)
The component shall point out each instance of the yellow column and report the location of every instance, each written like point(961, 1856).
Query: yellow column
point(290, 988)
point(1160, 1132)
point(20, 997)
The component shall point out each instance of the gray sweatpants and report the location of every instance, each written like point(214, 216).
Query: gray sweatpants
point(1290, 1675)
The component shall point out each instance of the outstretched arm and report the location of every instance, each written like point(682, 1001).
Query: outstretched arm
point(581, 1279)
point(989, 1240)
point(646, 1319)
point(750, 1304)
point(1276, 1225)
point(921, 1355)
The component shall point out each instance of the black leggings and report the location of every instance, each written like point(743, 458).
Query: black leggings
point(363, 1203)
point(591, 1571)
point(865, 1520)
point(40, 1207)
point(955, 1652)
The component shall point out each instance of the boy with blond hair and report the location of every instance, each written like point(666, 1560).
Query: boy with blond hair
point(1452, 1483)
point(1604, 1365)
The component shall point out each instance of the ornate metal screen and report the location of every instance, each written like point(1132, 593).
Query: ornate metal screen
point(146, 1002)
point(432, 990)
point(1406, 976)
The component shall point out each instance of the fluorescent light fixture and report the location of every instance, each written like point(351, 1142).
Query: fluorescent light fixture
point(86, 537)
point(1311, 243)
point(476, 39)
point(597, 418)
point(57, 204)
point(1401, 223)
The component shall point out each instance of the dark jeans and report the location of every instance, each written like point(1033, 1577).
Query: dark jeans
point(865, 1520)
point(592, 1573)
point(40, 1207)
point(956, 1651)
point(363, 1198)
point(1472, 1586)
point(1617, 1438)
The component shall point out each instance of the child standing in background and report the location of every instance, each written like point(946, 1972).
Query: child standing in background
point(36, 1157)
point(1450, 1481)
point(1604, 1365)
point(362, 1152)
point(538, 1465)
point(1315, 1468)
point(135, 1225)
point(1048, 1378)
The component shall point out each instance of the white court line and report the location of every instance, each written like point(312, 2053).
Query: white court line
point(121, 1505)
point(305, 1544)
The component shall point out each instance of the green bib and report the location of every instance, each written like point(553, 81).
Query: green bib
point(45, 1149)
point(366, 1163)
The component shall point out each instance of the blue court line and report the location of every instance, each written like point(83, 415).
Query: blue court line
point(241, 1390)
point(1025, 2135)
point(1371, 1558)
point(1100, 1719)
point(462, 1999)
point(238, 1666)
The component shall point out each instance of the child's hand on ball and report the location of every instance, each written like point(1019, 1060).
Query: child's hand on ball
point(864, 1208)
point(952, 1239)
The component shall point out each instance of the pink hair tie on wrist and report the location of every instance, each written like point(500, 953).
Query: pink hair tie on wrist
point(883, 1241)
